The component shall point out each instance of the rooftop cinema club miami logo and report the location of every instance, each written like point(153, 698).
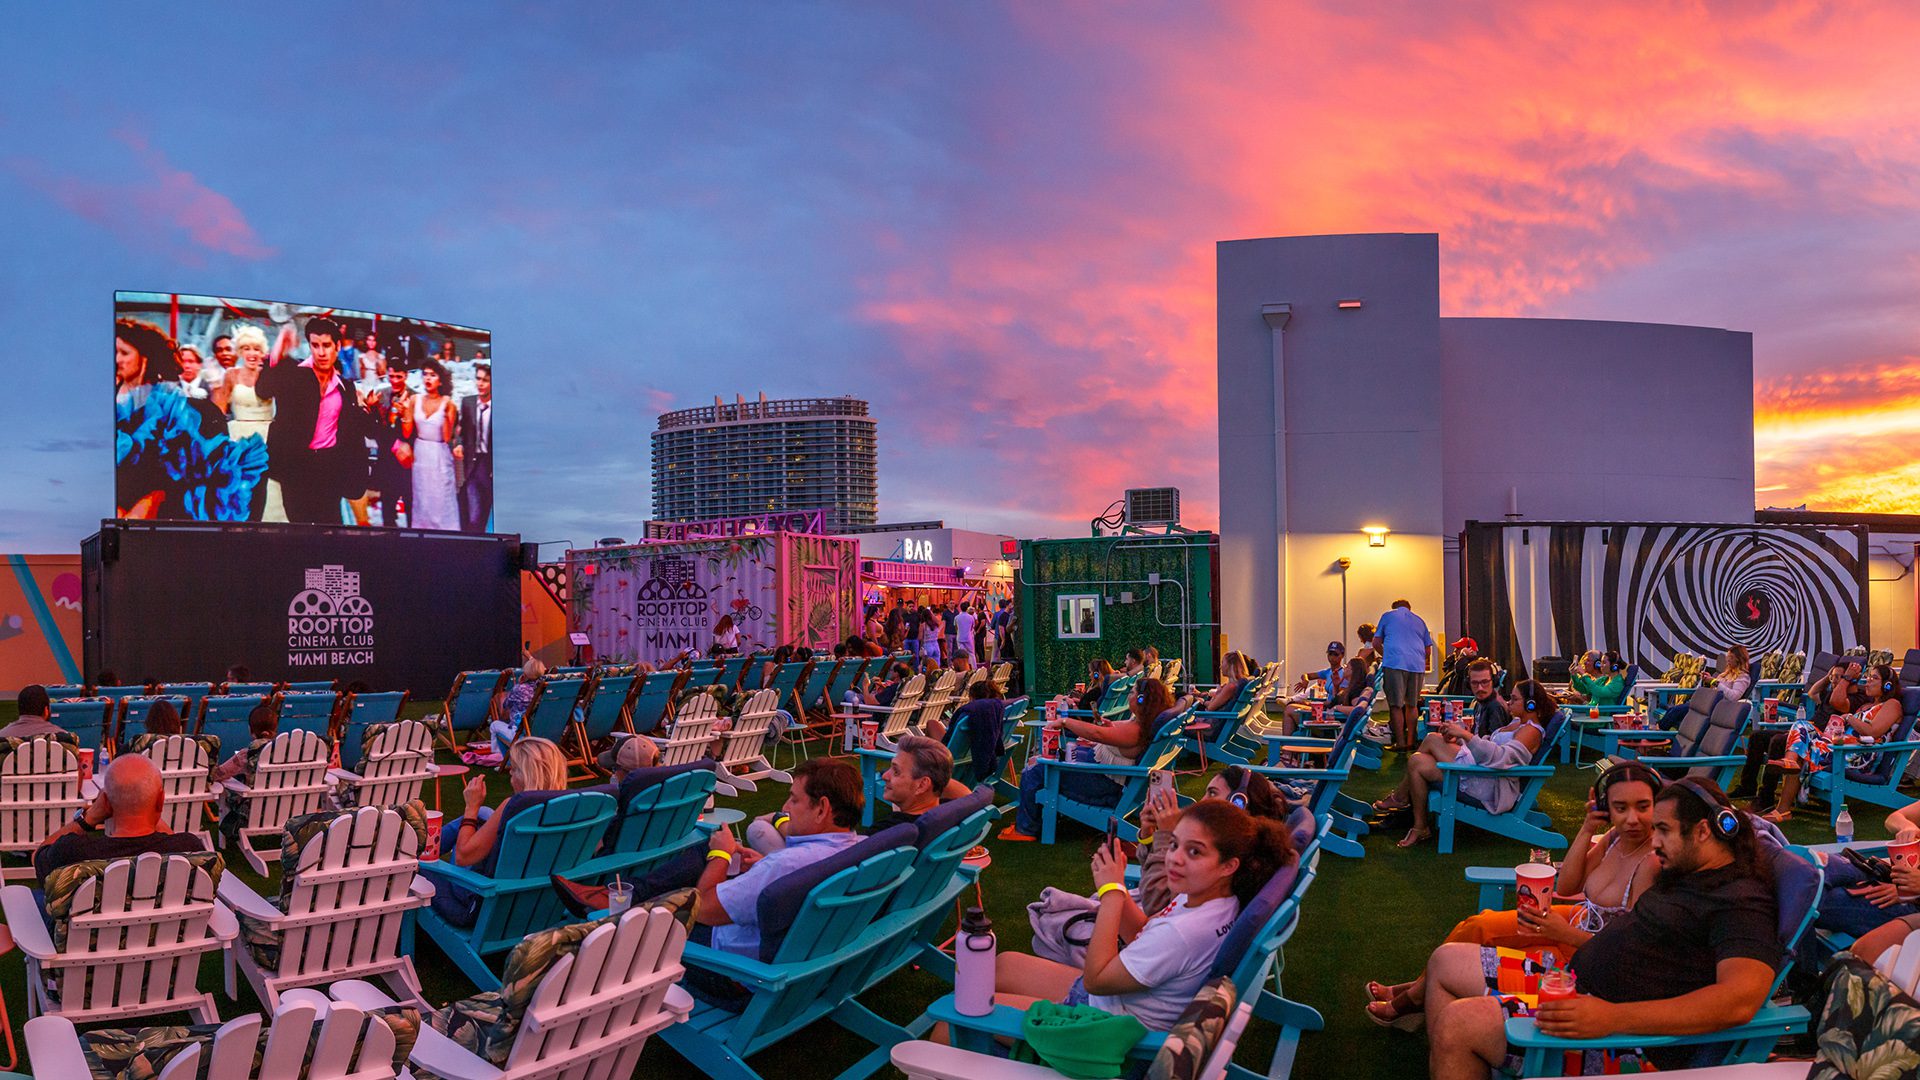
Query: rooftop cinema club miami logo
point(329, 623)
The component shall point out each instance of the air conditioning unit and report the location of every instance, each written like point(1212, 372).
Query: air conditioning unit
point(1153, 506)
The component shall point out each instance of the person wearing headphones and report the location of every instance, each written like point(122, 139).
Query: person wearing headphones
point(1120, 743)
point(1513, 744)
point(1610, 864)
point(1599, 681)
point(1697, 955)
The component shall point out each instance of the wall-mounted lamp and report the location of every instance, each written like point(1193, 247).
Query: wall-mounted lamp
point(1376, 535)
point(1348, 305)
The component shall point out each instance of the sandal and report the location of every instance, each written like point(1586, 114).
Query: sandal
point(1416, 836)
point(1784, 764)
point(1012, 834)
point(1778, 817)
point(1378, 1012)
point(1388, 806)
point(1379, 991)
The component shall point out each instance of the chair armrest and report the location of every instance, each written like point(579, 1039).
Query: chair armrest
point(235, 785)
point(925, 1060)
point(1221, 714)
point(443, 1057)
point(421, 887)
point(1490, 875)
point(54, 1047)
point(360, 992)
point(338, 775)
point(1003, 1022)
point(224, 925)
point(1641, 734)
point(1703, 762)
point(1843, 750)
point(1299, 773)
point(1523, 1032)
point(1488, 770)
point(29, 926)
point(241, 899)
point(741, 969)
point(461, 876)
point(1096, 767)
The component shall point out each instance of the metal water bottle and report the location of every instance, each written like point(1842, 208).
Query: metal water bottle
point(973, 960)
point(1843, 827)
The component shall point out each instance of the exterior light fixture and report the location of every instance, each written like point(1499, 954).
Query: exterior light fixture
point(1376, 535)
point(1349, 305)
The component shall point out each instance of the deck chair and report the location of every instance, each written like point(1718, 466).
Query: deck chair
point(195, 692)
point(604, 989)
point(551, 712)
point(691, 737)
point(131, 717)
point(743, 746)
point(311, 1038)
point(654, 701)
point(184, 763)
point(1131, 781)
point(359, 713)
point(311, 686)
point(841, 682)
point(1002, 672)
point(471, 704)
point(116, 693)
point(488, 908)
point(1452, 808)
point(289, 780)
point(224, 716)
point(894, 718)
point(308, 710)
point(1225, 741)
point(607, 707)
point(1797, 887)
point(818, 927)
point(923, 1060)
point(249, 689)
point(943, 838)
point(811, 694)
point(657, 817)
point(63, 693)
point(394, 764)
point(786, 683)
point(1679, 742)
point(126, 939)
point(86, 718)
point(1871, 773)
point(1702, 747)
point(347, 887)
point(39, 793)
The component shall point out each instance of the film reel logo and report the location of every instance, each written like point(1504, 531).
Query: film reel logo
point(328, 622)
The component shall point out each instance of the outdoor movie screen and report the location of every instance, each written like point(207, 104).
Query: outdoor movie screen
point(249, 410)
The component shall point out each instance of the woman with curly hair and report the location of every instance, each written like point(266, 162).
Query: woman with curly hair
point(169, 462)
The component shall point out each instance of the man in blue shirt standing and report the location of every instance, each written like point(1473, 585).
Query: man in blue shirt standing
point(1406, 648)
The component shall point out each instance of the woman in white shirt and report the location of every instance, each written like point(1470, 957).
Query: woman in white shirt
point(1150, 966)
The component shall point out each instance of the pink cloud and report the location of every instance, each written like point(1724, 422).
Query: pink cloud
point(160, 204)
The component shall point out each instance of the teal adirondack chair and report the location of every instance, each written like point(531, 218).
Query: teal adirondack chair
point(1113, 701)
point(959, 743)
point(224, 716)
point(1229, 741)
point(1700, 746)
point(1344, 816)
point(550, 714)
point(472, 703)
point(654, 701)
point(85, 717)
point(660, 818)
point(1161, 753)
point(510, 894)
point(1881, 768)
point(362, 711)
point(945, 835)
point(819, 928)
point(1521, 822)
point(309, 711)
point(132, 717)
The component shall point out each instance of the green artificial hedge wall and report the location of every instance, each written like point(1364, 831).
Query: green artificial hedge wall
point(1107, 567)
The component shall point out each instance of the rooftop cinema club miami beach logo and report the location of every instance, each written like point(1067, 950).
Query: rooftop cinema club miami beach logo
point(329, 623)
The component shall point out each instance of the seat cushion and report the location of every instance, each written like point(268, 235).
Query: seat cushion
point(1252, 920)
point(143, 1053)
point(938, 820)
point(1195, 1034)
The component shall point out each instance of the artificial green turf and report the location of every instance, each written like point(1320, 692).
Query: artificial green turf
point(1370, 918)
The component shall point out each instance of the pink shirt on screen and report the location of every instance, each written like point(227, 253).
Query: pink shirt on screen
point(326, 425)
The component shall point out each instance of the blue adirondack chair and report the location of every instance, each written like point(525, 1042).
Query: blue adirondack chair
point(309, 711)
point(509, 894)
point(1700, 706)
point(810, 696)
point(1797, 887)
point(607, 707)
point(1161, 753)
point(1249, 956)
point(472, 703)
point(363, 711)
point(86, 717)
point(1229, 741)
point(63, 693)
point(819, 927)
point(1882, 766)
point(131, 717)
point(657, 817)
point(960, 746)
point(224, 716)
point(1701, 746)
point(654, 701)
point(1522, 822)
point(1112, 704)
point(551, 712)
point(1344, 816)
point(945, 835)
point(195, 692)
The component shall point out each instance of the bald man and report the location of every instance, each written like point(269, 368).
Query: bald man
point(123, 820)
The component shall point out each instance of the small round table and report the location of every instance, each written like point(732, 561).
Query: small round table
point(723, 816)
point(442, 771)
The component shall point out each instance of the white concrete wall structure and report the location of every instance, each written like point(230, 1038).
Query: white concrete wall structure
point(1335, 417)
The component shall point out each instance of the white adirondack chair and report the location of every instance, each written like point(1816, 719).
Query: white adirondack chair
point(691, 737)
point(399, 762)
point(351, 1046)
point(135, 936)
point(590, 1016)
point(183, 766)
point(743, 747)
point(289, 779)
point(351, 894)
point(922, 1060)
point(893, 718)
point(39, 793)
point(933, 705)
point(1170, 674)
point(1001, 673)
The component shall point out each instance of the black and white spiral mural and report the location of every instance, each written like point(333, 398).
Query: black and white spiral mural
point(1654, 590)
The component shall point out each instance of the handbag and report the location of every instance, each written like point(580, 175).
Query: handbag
point(1062, 925)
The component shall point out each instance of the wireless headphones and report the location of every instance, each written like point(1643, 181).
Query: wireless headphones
point(1724, 820)
point(1625, 772)
point(1239, 796)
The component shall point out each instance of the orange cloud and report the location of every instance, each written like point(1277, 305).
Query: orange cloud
point(1067, 333)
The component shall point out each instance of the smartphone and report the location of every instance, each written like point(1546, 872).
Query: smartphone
point(1113, 830)
point(1600, 804)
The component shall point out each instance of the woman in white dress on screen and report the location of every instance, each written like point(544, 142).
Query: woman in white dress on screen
point(435, 427)
point(249, 415)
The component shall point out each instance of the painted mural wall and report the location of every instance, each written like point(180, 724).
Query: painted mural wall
point(39, 622)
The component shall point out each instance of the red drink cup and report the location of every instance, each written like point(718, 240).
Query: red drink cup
point(1433, 714)
point(435, 820)
point(1079, 688)
point(1319, 710)
point(86, 765)
point(1904, 854)
point(1773, 711)
point(869, 734)
point(1533, 886)
point(1557, 986)
point(1454, 709)
point(1049, 742)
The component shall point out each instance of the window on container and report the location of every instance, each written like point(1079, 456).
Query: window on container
point(1078, 616)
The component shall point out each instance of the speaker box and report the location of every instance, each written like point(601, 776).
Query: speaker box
point(109, 545)
point(530, 557)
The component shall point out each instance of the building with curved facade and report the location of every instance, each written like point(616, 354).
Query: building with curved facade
point(760, 456)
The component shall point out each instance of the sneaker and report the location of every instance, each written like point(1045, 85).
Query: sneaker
point(576, 898)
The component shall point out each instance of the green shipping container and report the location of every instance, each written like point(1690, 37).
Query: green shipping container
point(1097, 597)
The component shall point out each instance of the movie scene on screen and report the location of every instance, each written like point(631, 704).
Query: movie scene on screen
point(265, 411)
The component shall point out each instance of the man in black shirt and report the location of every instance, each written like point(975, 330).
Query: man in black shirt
point(1489, 712)
point(122, 821)
point(1696, 954)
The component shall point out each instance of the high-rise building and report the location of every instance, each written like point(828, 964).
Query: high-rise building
point(756, 457)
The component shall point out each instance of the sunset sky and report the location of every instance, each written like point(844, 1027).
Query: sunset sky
point(996, 222)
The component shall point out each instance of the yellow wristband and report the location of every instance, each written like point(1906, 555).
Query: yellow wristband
point(1111, 886)
point(1145, 839)
point(779, 820)
point(716, 853)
